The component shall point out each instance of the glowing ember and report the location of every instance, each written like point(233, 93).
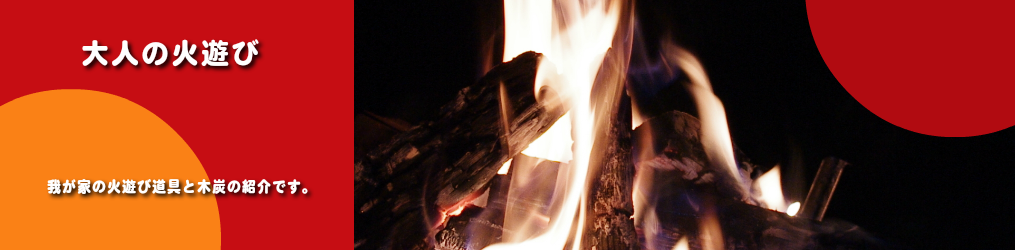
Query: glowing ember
point(457, 211)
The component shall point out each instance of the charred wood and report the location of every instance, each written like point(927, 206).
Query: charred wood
point(744, 226)
point(822, 188)
point(477, 227)
point(373, 130)
point(404, 188)
point(670, 158)
point(684, 192)
point(608, 224)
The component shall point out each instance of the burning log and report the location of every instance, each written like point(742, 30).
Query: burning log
point(668, 149)
point(746, 226)
point(675, 178)
point(477, 227)
point(521, 193)
point(682, 191)
point(408, 186)
point(608, 224)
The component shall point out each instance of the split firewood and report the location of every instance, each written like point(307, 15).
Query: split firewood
point(405, 188)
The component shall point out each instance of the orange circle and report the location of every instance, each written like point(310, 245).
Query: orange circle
point(83, 134)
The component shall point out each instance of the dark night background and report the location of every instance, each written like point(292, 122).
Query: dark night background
point(783, 105)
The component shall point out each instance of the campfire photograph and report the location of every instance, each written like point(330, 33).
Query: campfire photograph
point(648, 124)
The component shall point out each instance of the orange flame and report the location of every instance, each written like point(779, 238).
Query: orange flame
point(715, 134)
point(769, 185)
point(573, 37)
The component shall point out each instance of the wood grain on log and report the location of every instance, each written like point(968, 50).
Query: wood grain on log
point(608, 224)
point(404, 188)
